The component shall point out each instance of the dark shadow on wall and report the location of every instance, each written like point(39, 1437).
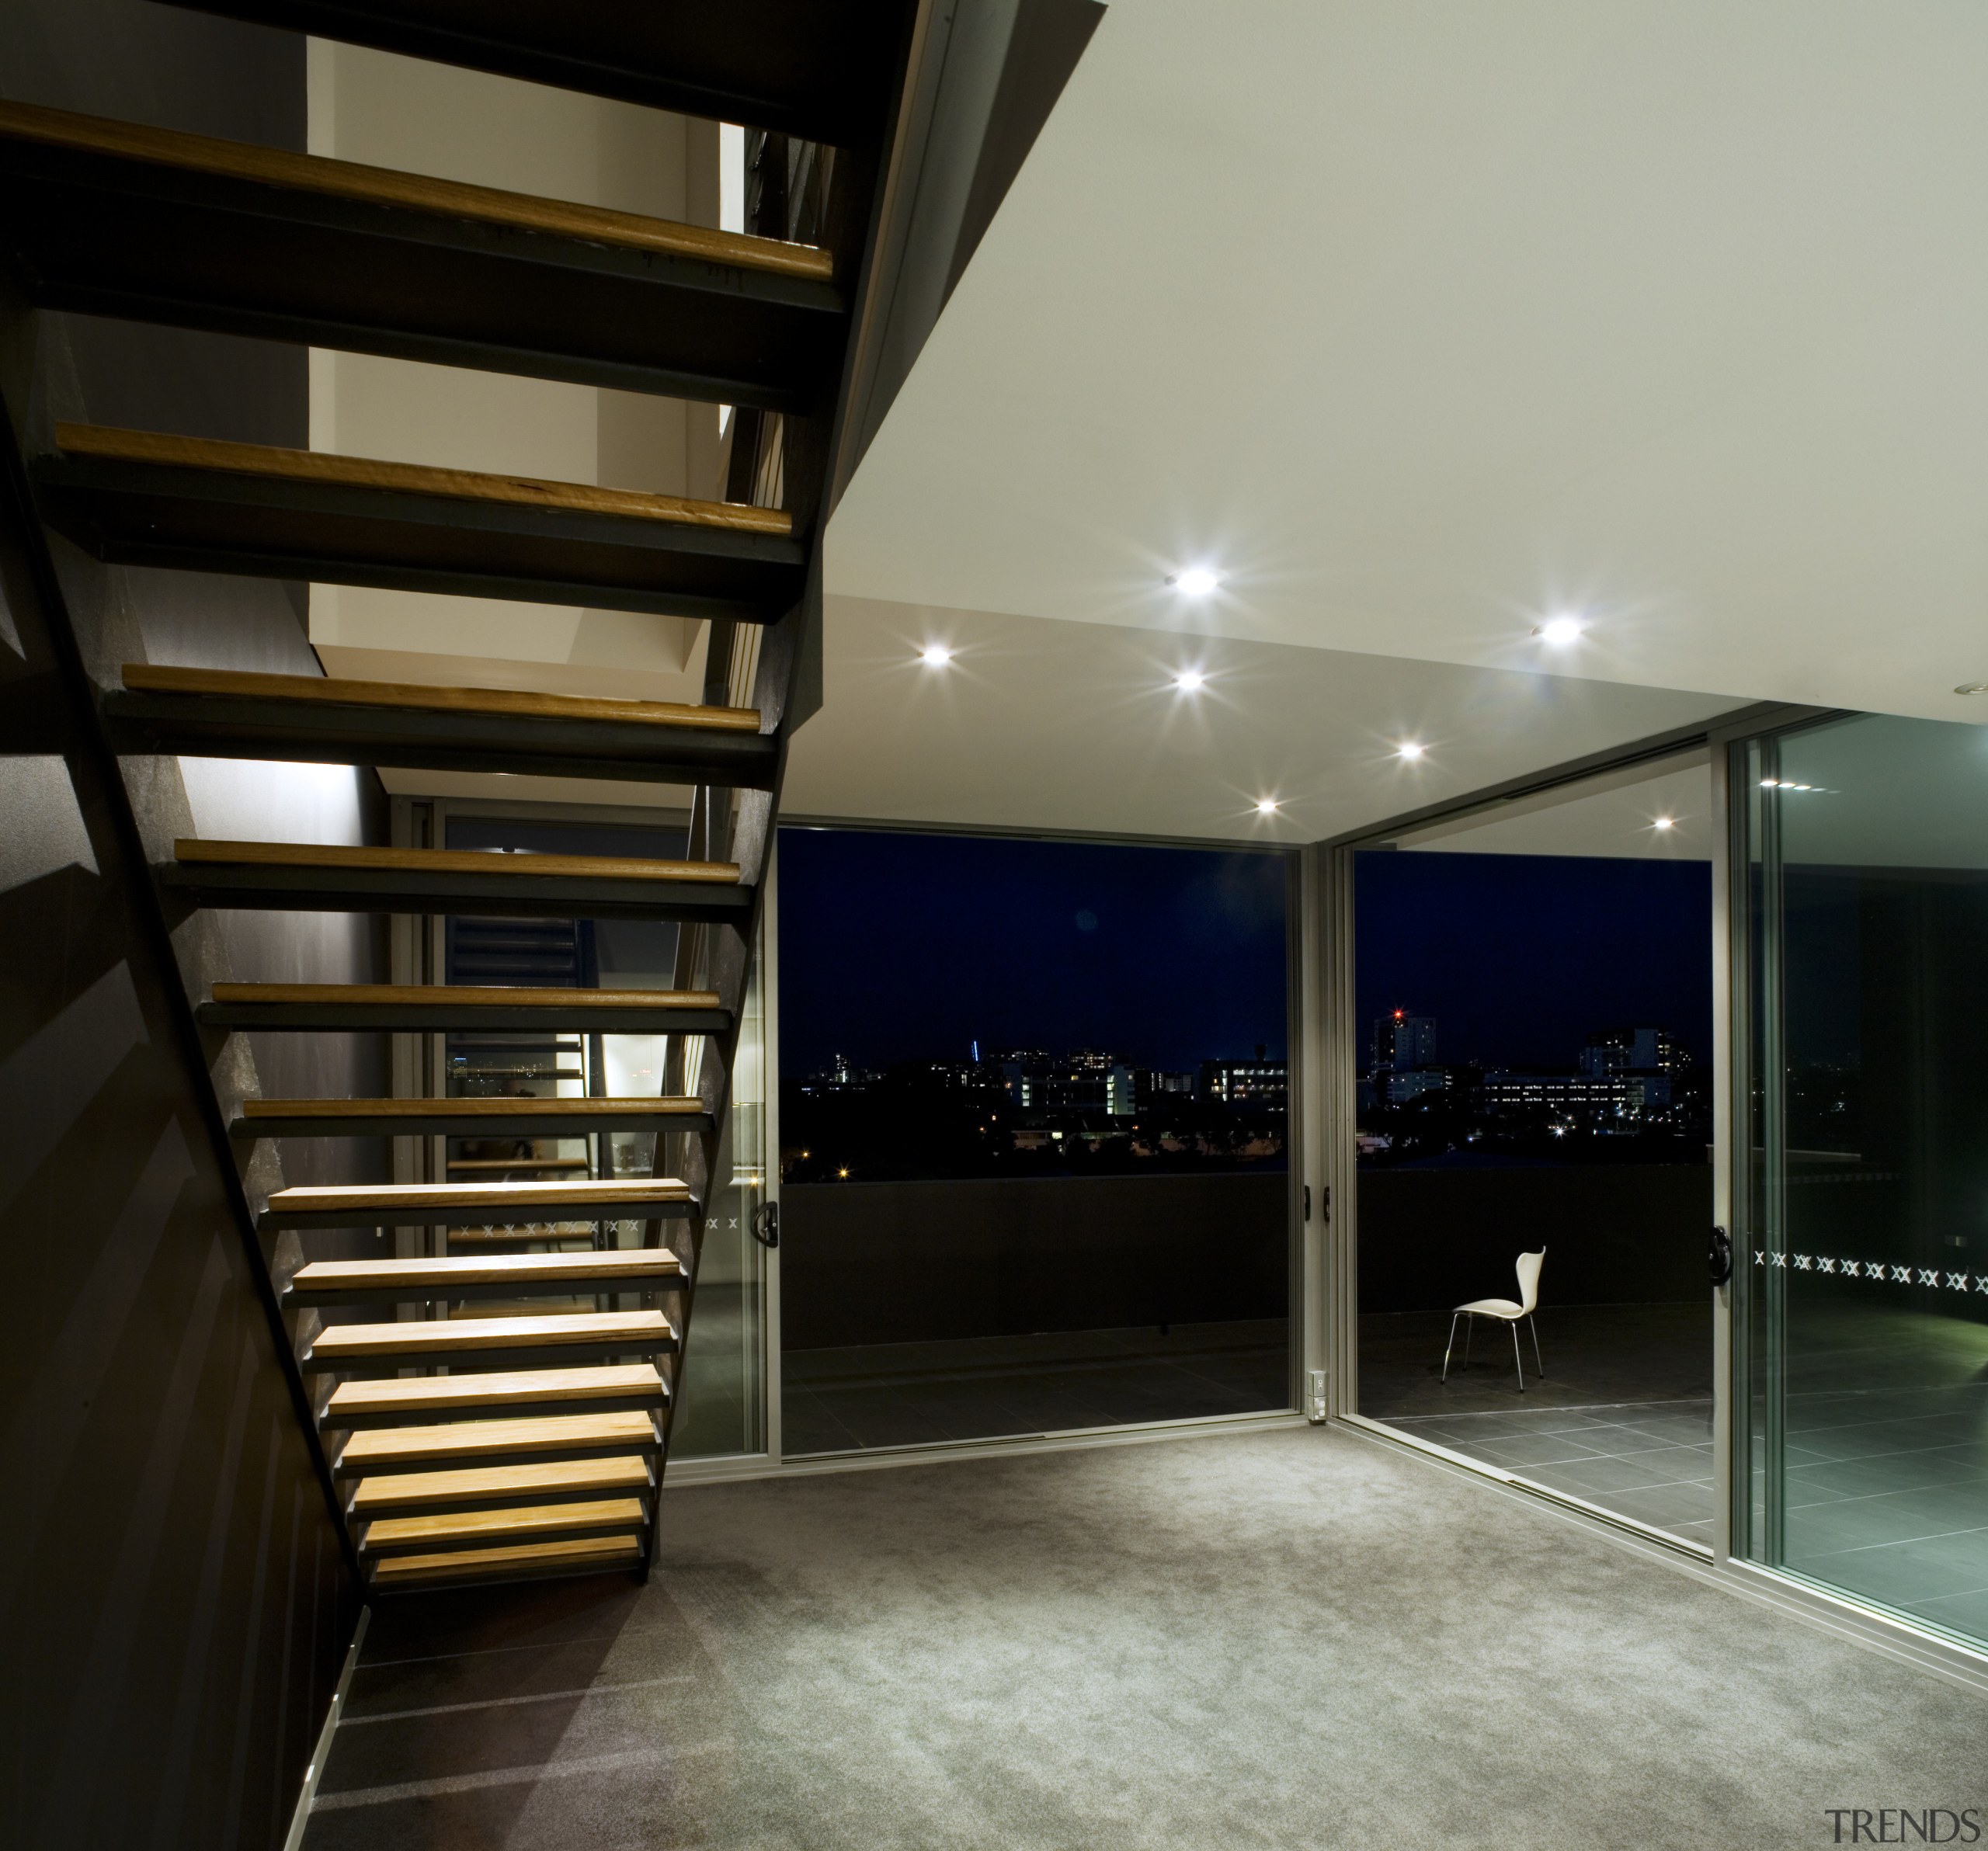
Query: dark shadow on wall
point(175, 1602)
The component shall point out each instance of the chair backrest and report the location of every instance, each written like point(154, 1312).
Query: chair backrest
point(1529, 1265)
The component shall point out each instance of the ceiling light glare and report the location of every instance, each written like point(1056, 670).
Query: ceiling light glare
point(1560, 631)
point(1664, 822)
point(1190, 681)
point(1267, 806)
point(1408, 749)
point(1195, 580)
point(935, 655)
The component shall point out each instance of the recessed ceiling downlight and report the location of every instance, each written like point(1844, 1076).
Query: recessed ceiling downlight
point(1560, 630)
point(935, 655)
point(1194, 581)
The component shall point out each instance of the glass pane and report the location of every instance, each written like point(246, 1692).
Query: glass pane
point(720, 1410)
point(1032, 1125)
point(1868, 1209)
point(1534, 993)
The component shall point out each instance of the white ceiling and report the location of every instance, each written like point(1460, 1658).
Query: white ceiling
point(1421, 321)
point(1037, 724)
point(1653, 813)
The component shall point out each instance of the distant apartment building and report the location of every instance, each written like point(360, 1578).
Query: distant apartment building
point(1402, 1043)
point(1633, 1050)
point(1152, 1085)
point(1394, 1088)
point(1582, 1094)
point(1257, 1082)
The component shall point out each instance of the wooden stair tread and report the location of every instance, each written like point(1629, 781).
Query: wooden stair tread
point(499, 1198)
point(107, 443)
point(576, 1553)
point(467, 1484)
point(387, 186)
point(204, 853)
point(463, 995)
point(414, 1110)
point(524, 1269)
point(190, 503)
point(325, 690)
point(382, 1448)
point(431, 1336)
point(606, 1513)
point(519, 1388)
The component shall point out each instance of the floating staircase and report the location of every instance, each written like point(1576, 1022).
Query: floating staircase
point(494, 1402)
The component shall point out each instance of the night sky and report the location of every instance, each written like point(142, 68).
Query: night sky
point(1520, 956)
point(905, 947)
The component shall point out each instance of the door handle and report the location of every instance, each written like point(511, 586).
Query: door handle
point(765, 1224)
point(1718, 1256)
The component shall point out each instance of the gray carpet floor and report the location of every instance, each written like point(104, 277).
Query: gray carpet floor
point(1297, 1638)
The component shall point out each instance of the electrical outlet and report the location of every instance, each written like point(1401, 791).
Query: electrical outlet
point(1316, 1412)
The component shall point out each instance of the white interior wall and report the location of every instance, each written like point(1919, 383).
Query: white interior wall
point(371, 106)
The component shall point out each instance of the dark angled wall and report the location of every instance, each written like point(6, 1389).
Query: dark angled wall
point(174, 1601)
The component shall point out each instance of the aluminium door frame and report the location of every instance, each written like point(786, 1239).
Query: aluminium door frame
point(1333, 1034)
point(773, 1462)
point(1882, 1629)
point(1330, 1040)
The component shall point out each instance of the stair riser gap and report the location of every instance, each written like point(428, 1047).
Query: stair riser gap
point(522, 1125)
point(492, 1410)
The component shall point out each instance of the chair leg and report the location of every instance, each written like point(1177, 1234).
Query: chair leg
point(1516, 1356)
point(1451, 1345)
point(1532, 1323)
point(1469, 1326)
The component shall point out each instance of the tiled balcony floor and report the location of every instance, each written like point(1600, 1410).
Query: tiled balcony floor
point(1884, 1456)
point(1622, 1418)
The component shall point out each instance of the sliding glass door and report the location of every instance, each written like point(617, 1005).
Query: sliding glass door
point(1531, 996)
point(1862, 892)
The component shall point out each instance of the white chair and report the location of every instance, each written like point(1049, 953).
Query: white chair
point(1507, 1311)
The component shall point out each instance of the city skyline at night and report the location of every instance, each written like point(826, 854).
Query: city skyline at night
point(919, 947)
